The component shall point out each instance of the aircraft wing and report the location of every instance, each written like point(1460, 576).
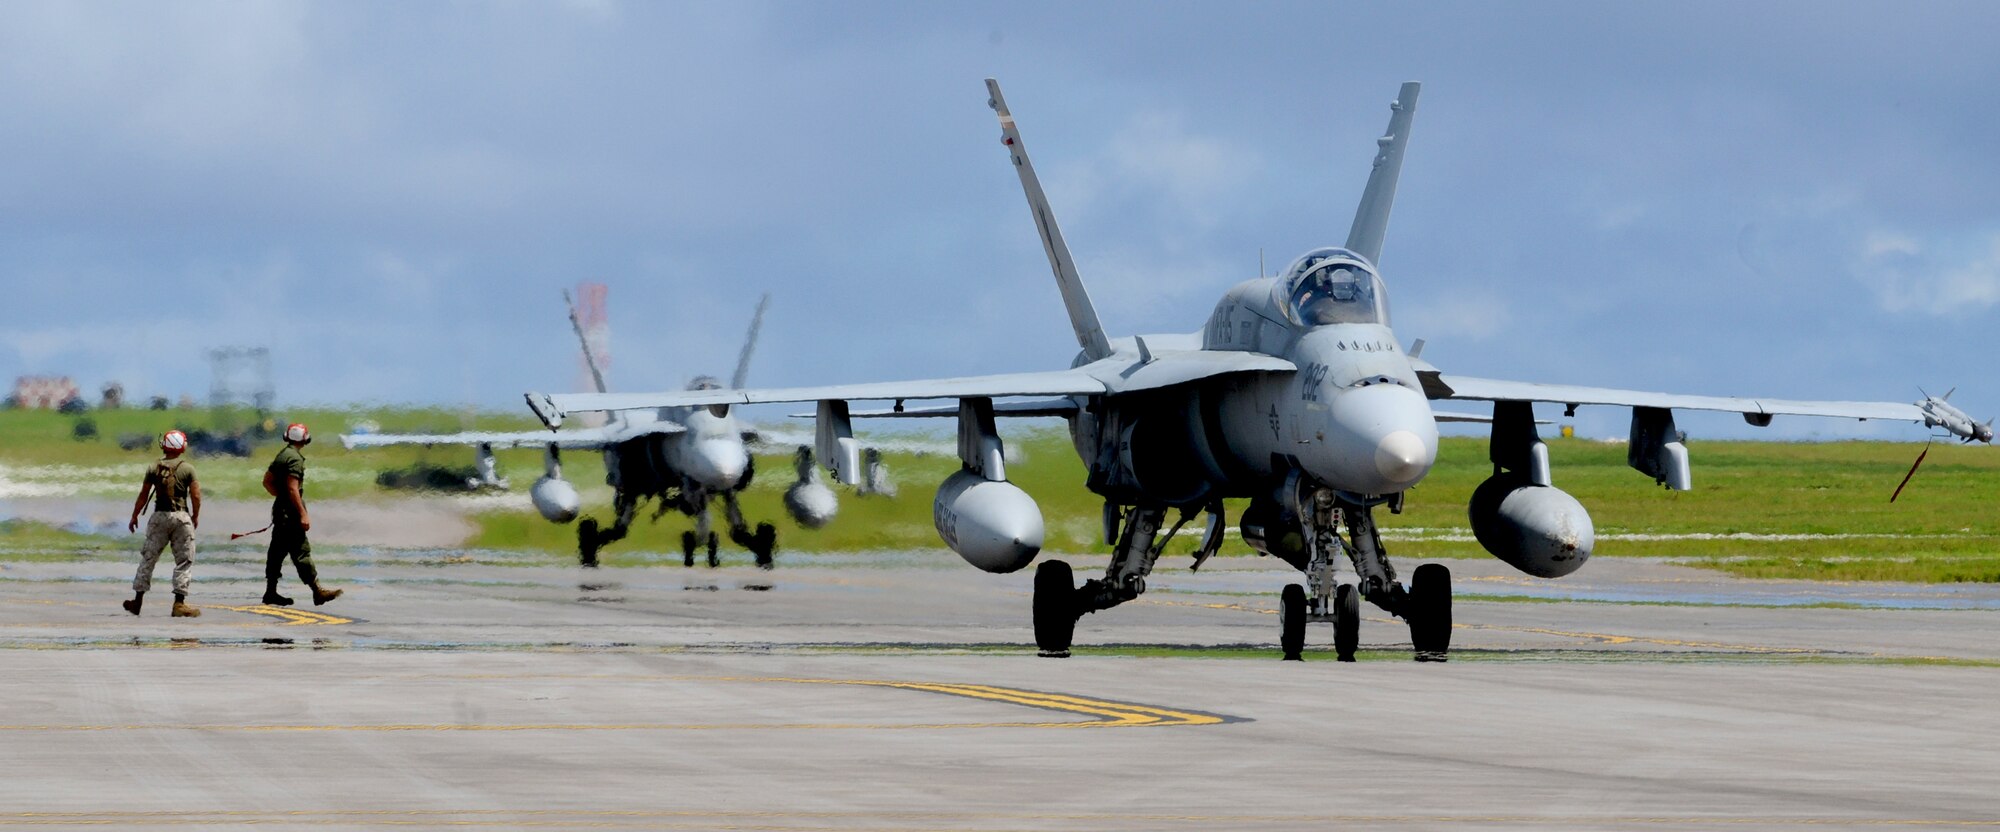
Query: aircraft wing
point(1123, 372)
point(1042, 407)
point(584, 439)
point(1468, 388)
point(1469, 418)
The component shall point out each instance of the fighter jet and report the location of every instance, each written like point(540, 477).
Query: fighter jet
point(683, 457)
point(1296, 395)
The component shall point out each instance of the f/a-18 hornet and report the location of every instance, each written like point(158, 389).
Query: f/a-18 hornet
point(681, 456)
point(1297, 396)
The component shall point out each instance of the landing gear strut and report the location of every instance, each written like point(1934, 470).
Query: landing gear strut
point(1058, 605)
point(690, 541)
point(1425, 606)
point(760, 543)
point(590, 539)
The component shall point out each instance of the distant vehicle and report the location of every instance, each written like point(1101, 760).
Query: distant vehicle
point(1296, 395)
point(201, 442)
point(683, 457)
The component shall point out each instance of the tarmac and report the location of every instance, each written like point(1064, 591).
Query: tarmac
point(900, 691)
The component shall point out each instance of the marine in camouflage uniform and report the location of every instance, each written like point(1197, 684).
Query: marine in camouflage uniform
point(290, 521)
point(176, 498)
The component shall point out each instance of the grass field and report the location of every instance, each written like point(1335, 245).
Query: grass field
point(1811, 510)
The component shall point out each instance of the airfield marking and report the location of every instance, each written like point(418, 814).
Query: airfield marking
point(701, 819)
point(1106, 713)
point(1608, 638)
point(291, 617)
point(1596, 638)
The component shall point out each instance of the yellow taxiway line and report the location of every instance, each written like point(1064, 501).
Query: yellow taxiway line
point(1103, 713)
point(291, 617)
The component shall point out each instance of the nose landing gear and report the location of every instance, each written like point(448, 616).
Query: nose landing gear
point(1426, 605)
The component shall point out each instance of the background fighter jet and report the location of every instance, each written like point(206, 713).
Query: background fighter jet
point(1296, 395)
point(681, 456)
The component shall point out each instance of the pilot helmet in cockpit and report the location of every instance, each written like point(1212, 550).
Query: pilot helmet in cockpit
point(1333, 286)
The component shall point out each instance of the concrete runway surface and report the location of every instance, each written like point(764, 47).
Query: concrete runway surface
point(899, 691)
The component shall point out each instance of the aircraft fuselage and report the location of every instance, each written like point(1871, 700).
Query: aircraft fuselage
point(1354, 416)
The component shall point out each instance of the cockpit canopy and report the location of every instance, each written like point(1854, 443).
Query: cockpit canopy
point(1334, 286)
point(705, 383)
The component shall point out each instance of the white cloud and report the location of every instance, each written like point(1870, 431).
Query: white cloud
point(1908, 276)
point(1886, 243)
point(1155, 167)
point(600, 11)
point(1193, 170)
point(1159, 290)
point(1617, 217)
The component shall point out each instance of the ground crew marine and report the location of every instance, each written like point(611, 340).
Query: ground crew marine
point(285, 480)
point(176, 497)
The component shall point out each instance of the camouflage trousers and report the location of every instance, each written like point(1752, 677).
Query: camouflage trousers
point(162, 529)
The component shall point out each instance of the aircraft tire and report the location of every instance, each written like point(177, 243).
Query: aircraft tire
point(713, 561)
point(1055, 609)
point(763, 543)
point(1346, 622)
point(687, 549)
point(586, 542)
point(1292, 621)
point(1430, 607)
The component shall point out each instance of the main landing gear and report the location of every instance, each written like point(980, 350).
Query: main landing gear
point(1425, 605)
point(1058, 603)
point(761, 542)
point(590, 537)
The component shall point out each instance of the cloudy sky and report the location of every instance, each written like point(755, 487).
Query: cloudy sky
point(1795, 200)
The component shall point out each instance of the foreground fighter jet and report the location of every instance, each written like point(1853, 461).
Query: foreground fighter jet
point(1296, 395)
point(681, 456)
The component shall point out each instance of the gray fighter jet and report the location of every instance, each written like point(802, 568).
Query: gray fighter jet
point(1296, 395)
point(681, 456)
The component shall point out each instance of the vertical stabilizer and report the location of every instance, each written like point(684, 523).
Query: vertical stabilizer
point(749, 344)
point(1082, 315)
point(1371, 220)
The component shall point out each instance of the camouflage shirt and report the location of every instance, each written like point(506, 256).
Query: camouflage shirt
point(289, 463)
point(171, 480)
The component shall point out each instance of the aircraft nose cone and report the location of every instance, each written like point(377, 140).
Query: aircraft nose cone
point(1379, 439)
point(719, 465)
point(1401, 457)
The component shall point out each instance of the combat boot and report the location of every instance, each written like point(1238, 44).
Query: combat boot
point(132, 606)
point(321, 596)
point(182, 610)
point(272, 598)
